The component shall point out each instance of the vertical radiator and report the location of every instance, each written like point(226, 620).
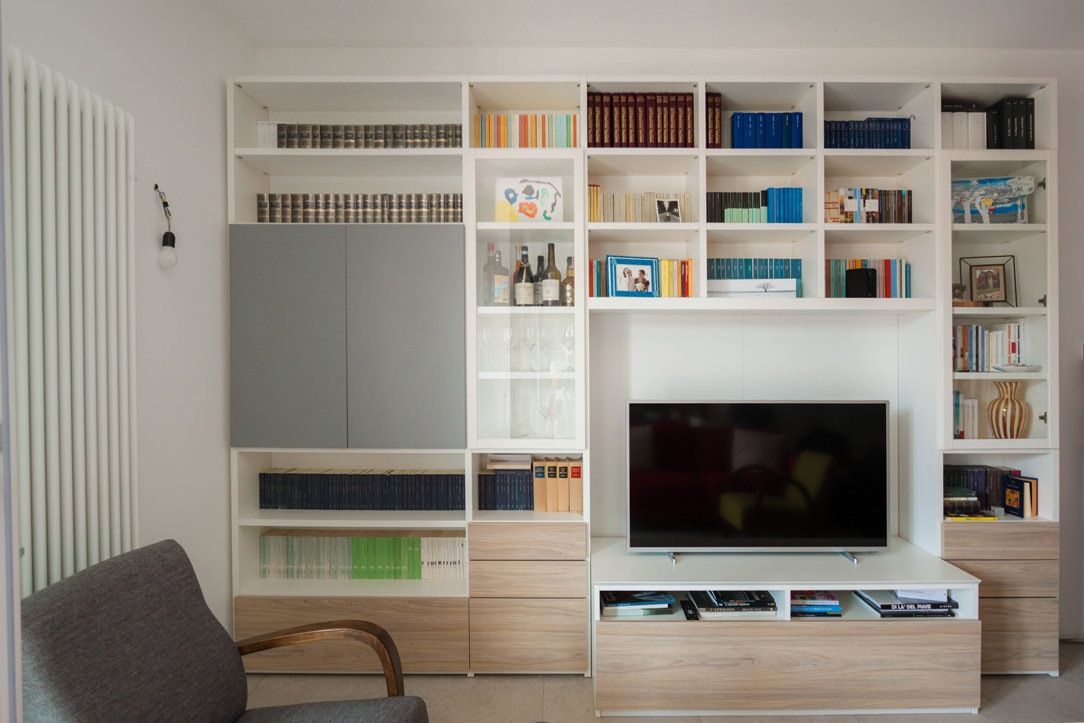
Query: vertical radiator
point(71, 322)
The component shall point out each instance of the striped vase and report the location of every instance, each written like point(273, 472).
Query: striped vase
point(1009, 416)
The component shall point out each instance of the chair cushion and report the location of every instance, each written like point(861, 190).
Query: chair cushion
point(129, 639)
point(402, 709)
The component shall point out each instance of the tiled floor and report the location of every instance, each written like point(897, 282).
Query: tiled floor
point(568, 699)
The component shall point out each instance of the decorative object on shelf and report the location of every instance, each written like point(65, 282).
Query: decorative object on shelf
point(632, 276)
point(958, 291)
point(1002, 199)
point(668, 210)
point(167, 256)
point(1008, 415)
point(529, 199)
point(991, 279)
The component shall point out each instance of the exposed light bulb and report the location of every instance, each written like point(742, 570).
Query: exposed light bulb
point(167, 257)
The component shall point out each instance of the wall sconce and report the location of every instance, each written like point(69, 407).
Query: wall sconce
point(167, 256)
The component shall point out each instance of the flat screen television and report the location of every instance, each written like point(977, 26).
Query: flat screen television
point(736, 476)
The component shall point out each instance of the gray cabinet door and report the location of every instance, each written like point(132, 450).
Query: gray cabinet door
point(406, 354)
point(288, 336)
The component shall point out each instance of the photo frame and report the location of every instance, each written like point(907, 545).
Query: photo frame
point(990, 279)
point(632, 276)
point(668, 210)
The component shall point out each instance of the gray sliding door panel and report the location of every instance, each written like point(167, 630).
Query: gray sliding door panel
point(406, 353)
point(287, 336)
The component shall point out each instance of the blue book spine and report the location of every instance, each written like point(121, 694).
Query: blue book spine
point(778, 269)
point(773, 132)
point(737, 130)
point(787, 141)
point(816, 608)
point(750, 130)
point(796, 140)
point(762, 130)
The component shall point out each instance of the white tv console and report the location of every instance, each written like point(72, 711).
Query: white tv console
point(665, 664)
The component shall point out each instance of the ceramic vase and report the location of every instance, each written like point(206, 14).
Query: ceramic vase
point(1008, 415)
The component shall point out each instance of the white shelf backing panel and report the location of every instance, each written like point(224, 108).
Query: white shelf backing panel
point(658, 240)
point(782, 96)
point(495, 94)
point(986, 93)
point(351, 162)
point(858, 99)
point(494, 165)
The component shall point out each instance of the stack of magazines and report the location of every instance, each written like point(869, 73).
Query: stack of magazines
point(617, 603)
point(734, 604)
point(889, 604)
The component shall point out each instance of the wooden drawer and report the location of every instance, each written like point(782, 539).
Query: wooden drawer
point(1024, 540)
point(527, 541)
point(541, 579)
point(725, 665)
point(528, 636)
point(1013, 578)
point(430, 633)
point(1019, 635)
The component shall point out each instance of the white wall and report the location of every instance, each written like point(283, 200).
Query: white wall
point(1067, 66)
point(166, 64)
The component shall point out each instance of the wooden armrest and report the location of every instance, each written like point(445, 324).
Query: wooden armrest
point(369, 633)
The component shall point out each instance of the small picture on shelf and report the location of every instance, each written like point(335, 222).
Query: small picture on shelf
point(668, 209)
point(632, 275)
point(529, 199)
point(991, 279)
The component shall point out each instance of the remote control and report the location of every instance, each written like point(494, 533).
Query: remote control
point(690, 610)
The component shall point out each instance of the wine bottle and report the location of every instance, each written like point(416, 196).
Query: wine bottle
point(502, 287)
point(523, 281)
point(538, 282)
point(568, 285)
point(485, 282)
point(551, 280)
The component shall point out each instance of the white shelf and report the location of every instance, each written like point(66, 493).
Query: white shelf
point(746, 305)
point(354, 519)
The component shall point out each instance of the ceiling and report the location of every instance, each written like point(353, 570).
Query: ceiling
point(719, 24)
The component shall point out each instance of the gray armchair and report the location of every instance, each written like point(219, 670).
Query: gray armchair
point(132, 639)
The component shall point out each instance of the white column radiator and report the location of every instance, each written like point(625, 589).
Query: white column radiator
point(71, 306)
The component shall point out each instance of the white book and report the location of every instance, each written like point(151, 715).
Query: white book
point(976, 131)
point(922, 594)
point(946, 129)
point(960, 129)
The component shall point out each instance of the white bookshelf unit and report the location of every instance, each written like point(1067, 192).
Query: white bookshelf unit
point(552, 381)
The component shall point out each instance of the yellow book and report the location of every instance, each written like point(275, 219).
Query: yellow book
point(538, 469)
point(552, 495)
point(563, 488)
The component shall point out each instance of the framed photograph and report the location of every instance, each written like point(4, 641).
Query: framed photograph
point(668, 210)
point(632, 276)
point(990, 279)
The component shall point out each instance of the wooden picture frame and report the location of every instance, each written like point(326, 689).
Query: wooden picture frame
point(990, 279)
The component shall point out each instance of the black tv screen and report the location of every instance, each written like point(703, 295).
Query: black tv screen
point(757, 475)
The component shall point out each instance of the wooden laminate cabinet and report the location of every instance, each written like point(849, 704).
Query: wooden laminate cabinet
point(528, 597)
point(1017, 562)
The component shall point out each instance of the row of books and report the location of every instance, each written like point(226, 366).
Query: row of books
point(972, 490)
point(766, 130)
point(733, 604)
point(892, 278)
point(641, 207)
point(754, 268)
point(676, 278)
point(898, 604)
point(965, 416)
point(987, 348)
point(868, 205)
point(1007, 124)
point(371, 489)
point(379, 135)
point(770, 205)
point(428, 556)
point(985, 482)
point(641, 120)
point(542, 484)
point(359, 207)
point(868, 133)
point(525, 130)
